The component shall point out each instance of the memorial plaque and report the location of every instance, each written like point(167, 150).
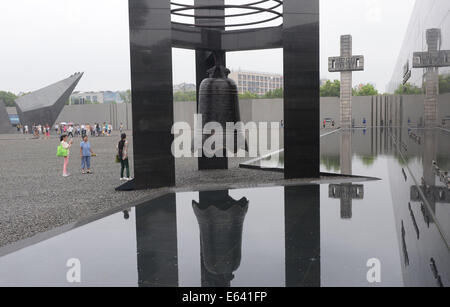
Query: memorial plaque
point(432, 59)
point(339, 64)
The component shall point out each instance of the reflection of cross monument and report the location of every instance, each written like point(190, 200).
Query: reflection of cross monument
point(431, 61)
point(346, 192)
point(346, 64)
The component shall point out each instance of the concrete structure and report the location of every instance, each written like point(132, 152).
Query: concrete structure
point(5, 123)
point(45, 105)
point(256, 83)
point(346, 64)
point(368, 111)
point(431, 61)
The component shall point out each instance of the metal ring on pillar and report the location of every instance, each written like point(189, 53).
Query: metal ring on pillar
point(249, 6)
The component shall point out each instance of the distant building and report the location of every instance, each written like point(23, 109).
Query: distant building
point(184, 87)
point(78, 98)
point(256, 83)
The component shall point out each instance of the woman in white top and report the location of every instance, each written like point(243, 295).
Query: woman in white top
point(66, 145)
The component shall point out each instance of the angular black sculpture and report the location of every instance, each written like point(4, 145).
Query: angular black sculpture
point(152, 37)
point(221, 220)
point(44, 106)
point(5, 123)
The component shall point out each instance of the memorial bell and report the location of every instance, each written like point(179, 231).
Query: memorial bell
point(219, 103)
point(221, 220)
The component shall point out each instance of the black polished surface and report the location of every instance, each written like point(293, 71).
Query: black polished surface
point(156, 228)
point(301, 88)
point(152, 93)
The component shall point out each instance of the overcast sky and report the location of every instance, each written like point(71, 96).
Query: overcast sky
point(43, 41)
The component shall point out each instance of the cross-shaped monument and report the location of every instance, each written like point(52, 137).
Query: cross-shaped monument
point(431, 61)
point(346, 64)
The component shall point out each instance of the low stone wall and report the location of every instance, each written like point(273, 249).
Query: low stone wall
point(373, 110)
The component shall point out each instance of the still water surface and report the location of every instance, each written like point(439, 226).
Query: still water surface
point(312, 235)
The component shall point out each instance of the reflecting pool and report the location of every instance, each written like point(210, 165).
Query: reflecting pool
point(308, 235)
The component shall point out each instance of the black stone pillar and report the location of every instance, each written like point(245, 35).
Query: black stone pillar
point(152, 96)
point(301, 89)
point(157, 250)
point(302, 219)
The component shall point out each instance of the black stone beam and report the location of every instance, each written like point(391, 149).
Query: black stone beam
point(228, 41)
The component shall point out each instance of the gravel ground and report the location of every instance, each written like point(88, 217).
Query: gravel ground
point(34, 197)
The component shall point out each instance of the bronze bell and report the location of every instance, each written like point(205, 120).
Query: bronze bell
point(219, 102)
point(221, 221)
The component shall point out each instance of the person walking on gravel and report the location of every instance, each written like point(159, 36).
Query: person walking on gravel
point(64, 151)
point(123, 157)
point(85, 153)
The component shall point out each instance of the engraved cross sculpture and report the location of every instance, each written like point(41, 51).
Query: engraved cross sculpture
point(346, 64)
point(431, 61)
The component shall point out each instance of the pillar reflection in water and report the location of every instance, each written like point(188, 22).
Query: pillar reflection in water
point(157, 250)
point(221, 220)
point(346, 192)
point(302, 235)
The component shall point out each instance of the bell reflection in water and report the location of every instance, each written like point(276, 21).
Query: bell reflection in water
point(221, 220)
point(219, 103)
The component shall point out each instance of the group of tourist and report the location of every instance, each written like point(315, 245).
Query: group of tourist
point(86, 153)
point(71, 130)
point(37, 130)
point(77, 130)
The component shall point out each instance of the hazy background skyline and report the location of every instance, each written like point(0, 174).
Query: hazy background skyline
point(45, 41)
